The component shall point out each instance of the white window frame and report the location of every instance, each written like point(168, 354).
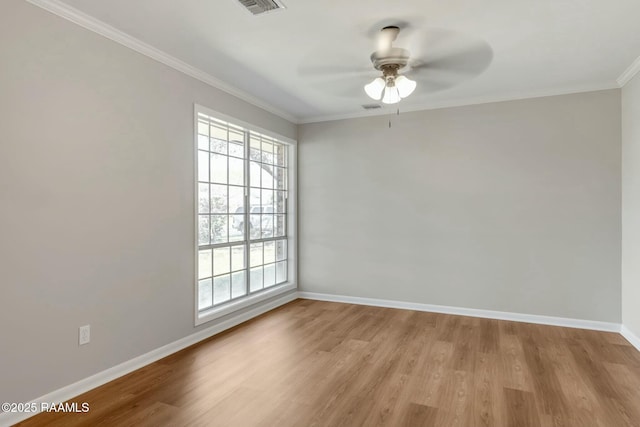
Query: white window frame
point(292, 240)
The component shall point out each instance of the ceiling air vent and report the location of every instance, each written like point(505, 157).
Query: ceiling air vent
point(371, 106)
point(261, 6)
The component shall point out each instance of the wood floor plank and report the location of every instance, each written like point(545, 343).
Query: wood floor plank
point(487, 391)
point(585, 409)
point(419, 416)
point(515, 372)
point(312, 363)
point(454, 400)
point(550, 397)
point(426, 382)
point(521, 408)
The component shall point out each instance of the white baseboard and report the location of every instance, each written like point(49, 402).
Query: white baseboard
point(487, 314)
point(82, 386)
point(631, 337)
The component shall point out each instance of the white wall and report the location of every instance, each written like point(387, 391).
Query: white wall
point(631, 205)
point(96, 200)
point(511, 206)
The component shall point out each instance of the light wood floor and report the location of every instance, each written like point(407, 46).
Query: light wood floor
point(313, 363)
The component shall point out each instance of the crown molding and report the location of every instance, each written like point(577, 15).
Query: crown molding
point(84, 20)
point(461, 103)
point(629, 73)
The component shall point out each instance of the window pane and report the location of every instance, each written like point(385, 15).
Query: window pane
point(236, 228)
point(203, 128)
point(281, 154)
point(236, 200)
point(221, 289)
point(204, 264)
point(267, 201)
point(219, 146)
point(238, 284)
point(281, 272)
point(205, 297)
point(218, 198)
point(221, 261)
point(280, 225)
point(218, 168)
point(237, 258)
point(236, 135)
point(281, 250)
point(254, 173)
point(267, 152)
point(267, 176)
point(203, 198)
point(203, 166)
point(267, 226)
point(269, 275)
point(255, 254)
point(280, 175)
point(254, 225)
point(255, 147)
point(280, 202)
point(236, 171)
point(255, 280)
point(269, 256)
point(203, 142)
point(203, 230)
point(219, 229)
point(219, 132)
point(236, 149)
point(254, 199)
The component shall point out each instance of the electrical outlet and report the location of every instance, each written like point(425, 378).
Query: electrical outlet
point(84, 335)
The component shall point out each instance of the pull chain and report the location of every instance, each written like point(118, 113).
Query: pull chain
point(397, 114)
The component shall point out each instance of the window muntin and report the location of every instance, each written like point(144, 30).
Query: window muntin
point(242, 212)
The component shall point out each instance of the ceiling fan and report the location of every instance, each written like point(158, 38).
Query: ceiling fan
point(391, 87)
point(439, 59)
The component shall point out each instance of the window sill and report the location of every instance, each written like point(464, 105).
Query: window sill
point(232, 307)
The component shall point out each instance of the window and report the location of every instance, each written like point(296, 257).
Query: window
point(244, 214)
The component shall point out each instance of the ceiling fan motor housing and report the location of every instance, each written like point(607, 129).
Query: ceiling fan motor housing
point(388, 57)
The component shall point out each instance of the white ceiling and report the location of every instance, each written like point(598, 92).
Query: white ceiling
point(535, 47)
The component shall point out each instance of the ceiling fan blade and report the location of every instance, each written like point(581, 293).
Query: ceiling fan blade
point(452, 52)
point(434, 80)
point(450, 62)
point(430, 83)
point(469, 61)
point(429, 86)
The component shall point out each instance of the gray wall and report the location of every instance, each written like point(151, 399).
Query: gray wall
point(631, 205)
point(511, 206)
point(96, 200)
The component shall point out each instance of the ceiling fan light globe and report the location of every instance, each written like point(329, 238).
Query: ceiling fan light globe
point(405, 86)
point(391, 95)
point(375, 88)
